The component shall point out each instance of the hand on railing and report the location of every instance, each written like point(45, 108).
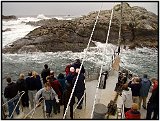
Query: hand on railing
point(38, 105)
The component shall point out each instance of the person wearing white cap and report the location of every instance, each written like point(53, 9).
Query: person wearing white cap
point(71, 75)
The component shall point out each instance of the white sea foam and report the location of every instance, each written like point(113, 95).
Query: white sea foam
point(19, 28)
point(132, 59)
point(41, 16)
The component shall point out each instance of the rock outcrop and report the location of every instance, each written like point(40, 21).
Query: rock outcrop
point(139, 28)
point(7, 29)
point(9, 17)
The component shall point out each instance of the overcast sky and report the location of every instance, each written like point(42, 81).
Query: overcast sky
point(65, 8)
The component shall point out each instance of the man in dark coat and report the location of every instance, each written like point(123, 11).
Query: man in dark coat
point(153, 105)
point(45, 72)
point(66, 96)
point(77, 64)
point(80, 87)
point(10, 92)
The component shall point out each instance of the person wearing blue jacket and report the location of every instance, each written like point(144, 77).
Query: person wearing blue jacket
point(144, 90)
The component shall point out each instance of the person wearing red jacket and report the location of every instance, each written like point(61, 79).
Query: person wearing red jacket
point(133, 113)
point(155, 84)
point(67, 69)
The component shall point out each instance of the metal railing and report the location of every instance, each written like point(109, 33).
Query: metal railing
point(19, 95)
point(32, 112)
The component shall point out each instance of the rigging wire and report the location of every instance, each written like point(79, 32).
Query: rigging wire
point(102, 64)
point(17, 103)
point(90, 39)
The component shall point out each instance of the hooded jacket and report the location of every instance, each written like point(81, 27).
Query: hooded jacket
point(132, 114)
point(145, 86)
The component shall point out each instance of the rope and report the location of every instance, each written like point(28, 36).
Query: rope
point(102, 64)
point(79, 102)
point(17, 103)
point(82, 63)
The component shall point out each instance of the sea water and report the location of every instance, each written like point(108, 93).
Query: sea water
point(140, 60)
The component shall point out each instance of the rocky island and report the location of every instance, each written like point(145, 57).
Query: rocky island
point(139, 29)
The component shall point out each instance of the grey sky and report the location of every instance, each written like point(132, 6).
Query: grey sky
point(65, 8)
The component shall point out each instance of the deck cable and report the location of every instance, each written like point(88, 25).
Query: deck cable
point(93, 107)
point(85, 53)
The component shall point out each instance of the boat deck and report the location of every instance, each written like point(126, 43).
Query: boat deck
point(104, 97)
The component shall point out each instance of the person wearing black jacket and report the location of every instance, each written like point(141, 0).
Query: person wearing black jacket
point(66, 96)
point(10, 92)
point(80, 87)
point(45, 72)
point(32, 88)
point(22, 86)
point(153, 105)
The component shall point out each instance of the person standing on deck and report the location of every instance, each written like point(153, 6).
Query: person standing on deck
point(62, 81)
point(71, 75)
point(67, 69)
point(133, 113)
point(38, 80)
point(135, 86)
point(155, 83)
point(33, 85)
point(49, 96)
point(55, 84)
point(144, 90)
point(22, 86)
point(153, 105)
point(10, 92)
point(80, 87)
point(66, 96)
point(45, 72)
point(127, 97)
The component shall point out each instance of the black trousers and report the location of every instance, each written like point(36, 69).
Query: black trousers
point(71, 110)
point(152, 108)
